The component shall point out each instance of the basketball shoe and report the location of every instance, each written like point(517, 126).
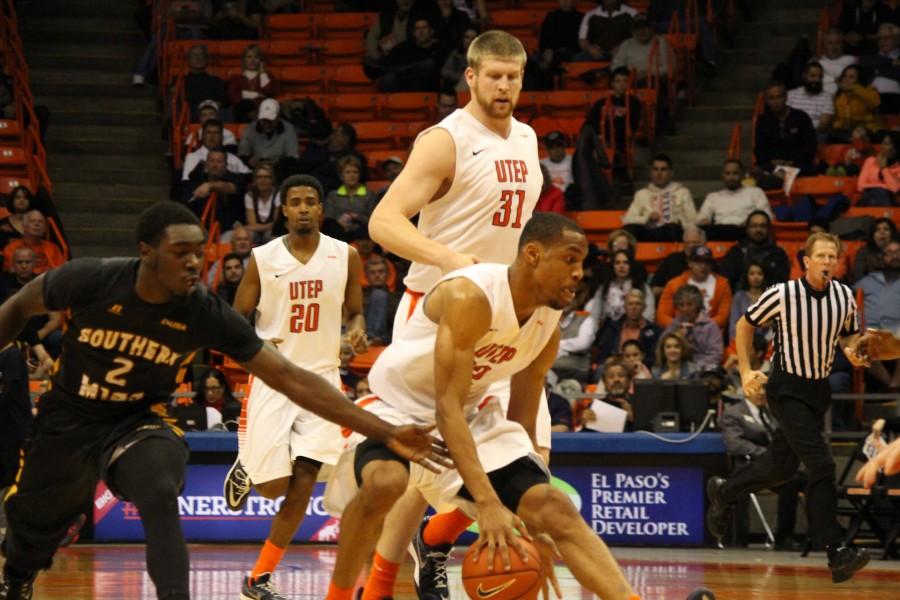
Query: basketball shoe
point(845, 561)
point(701, 593)
point(17, 585)
point(717, 513)
point(236, 488)
point(260, 588)
point(430, 573)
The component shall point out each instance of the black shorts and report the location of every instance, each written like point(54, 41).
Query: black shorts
point(370, 450)
point(512, 481)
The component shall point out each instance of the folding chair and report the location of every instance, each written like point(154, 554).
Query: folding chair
point(305, 79)
point(346, 25)
point(342, 51)
point(417, 106)
point(9, 129)
point(349, 79)
point(567, 103)
point(592, 75)
point(377, 135)
point(352, 107)
point(291, 26)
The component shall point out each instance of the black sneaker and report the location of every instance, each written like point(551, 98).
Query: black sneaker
point(236, 487)
point(16, 588)
point(844, 562)
point(701, 593)
point(359, 594)
point(260, 588)
point(430, 574)
point(717, 513)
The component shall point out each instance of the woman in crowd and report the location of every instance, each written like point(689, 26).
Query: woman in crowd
point(351, 205)
point(879, 179)
point(673, 358)
point(18, 203)
point(868, 258)
point(610, 298)
point(261, 203)
point(855, 104)
point(251, 86)
point(752, 287)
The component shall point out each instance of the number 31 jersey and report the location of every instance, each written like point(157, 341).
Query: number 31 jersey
point(496, 185)
point(302, 304)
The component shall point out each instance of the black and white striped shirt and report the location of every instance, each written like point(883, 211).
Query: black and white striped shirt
point(808, 324)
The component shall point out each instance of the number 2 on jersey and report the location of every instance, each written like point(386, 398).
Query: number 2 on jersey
point(304, 317)
point(507, 198)
point(115, 376)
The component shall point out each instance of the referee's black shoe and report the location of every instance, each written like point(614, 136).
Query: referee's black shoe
point(845, 561)
point(717, 513)
point(17, 585)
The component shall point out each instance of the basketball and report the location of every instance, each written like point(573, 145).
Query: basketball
point(523, 580)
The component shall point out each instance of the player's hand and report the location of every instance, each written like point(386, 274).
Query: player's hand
point(455, 261)
point(357, 340)
point(754, 383)
point(416, 444)
point(497, 526)
point(546, 547)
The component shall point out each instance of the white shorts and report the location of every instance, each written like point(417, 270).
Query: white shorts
point(498, 441)
point(499, 389)
point(278, 431)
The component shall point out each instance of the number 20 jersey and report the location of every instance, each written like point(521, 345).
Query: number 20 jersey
point(301, 304)
point(496, 185)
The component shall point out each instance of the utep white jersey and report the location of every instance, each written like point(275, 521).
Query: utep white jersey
point(496, 185)
point(403, 376)
point(302, 304)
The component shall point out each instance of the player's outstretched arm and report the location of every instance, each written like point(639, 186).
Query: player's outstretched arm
point(354, 319)
point(314, 393)
point(464, 315)
point(752, 381)
point(427, 175)
point(17, 310)
point(527, 385)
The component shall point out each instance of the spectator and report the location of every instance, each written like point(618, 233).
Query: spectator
point(747, 429)
point(251, 86)
point(859, 21)
point(604, 28)
point(632, 325)
point(451, 23)
point(391, 167)
point(560, 411)
point(321, 160)
point(833, 60)
point(635, 357)
point(869, 258)
point(241, 246)
point(812, 98)
point(393, 27)
point(209, 109)
point(660, 13)
point(446, 104)
point(881, 291)
point(627, 111)
point(879, 180)
point(211, 136)
point(47, 254)
point(577, 330)
point(558, 162)
point(307, 117)
point(714, 290)
point(362, 389)
point(855, 105)
point(368, 249)
point(453, 73)
point(214, 177)
point(676, 263)
point(635, 52)
point(232, 273)
point(884, 64)
point(619, 239)
point(784, 136)
point(351, 204)
point(724, 213)
point(673, 358)
point(199, 85)
point(611, 295)
point(270, 139)
point(660, 210)
point(693, 324)
point(19, 202)
point(379, 302)
point(261, 203)
point(860, 148)
point(616, 382)
point(415, 64)
point(551, 199)
point(348, 377)
point(753, 284)
point(758, 246)
point(559, 33)
point(232, 22)
point(213, 393)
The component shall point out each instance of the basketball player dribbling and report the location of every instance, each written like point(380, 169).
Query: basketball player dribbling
point(473, 180)
point(300, 287)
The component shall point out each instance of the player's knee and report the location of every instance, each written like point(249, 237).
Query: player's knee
point(383, 484)
point(272, 490)
point(553, 510)
point(157, 492)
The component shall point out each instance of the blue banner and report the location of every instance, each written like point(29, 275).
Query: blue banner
point(205, 517)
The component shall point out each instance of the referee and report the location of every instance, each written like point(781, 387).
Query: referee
point(810, 315)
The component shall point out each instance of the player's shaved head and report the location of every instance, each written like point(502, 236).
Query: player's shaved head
point(495, 44)
point(547, 228)
point(152, 223)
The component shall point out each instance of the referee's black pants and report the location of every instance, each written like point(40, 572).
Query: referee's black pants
point(799, 404)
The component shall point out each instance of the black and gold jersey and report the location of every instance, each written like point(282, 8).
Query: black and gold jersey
point(120, 351)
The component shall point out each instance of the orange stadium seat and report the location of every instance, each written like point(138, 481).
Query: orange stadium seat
point(291, 26)
point(13, 162)
point(361, 363)
point(790, 230)
point(8, 184)
point(876, 212)
point(378, 135)
point(348, 79)
point(352, 107)
point(568, 125)
point(342, 51)
point(286, 52)
point(346, 25)
point(9, 129)
point(720, 249)
point(598, 221)
point(651, 254)
point(376, 185)
point(516, 22)
point(413, 129)
point(321, 6)
point(593, 75)
point(407, 105)
point(528, 105)
point(567, 103)
point(305, 78)
point(823, 186)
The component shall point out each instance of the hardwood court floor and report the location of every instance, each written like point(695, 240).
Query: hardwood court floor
point(118, 573)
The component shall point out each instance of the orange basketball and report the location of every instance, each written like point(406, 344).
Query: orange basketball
point(522, 581)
